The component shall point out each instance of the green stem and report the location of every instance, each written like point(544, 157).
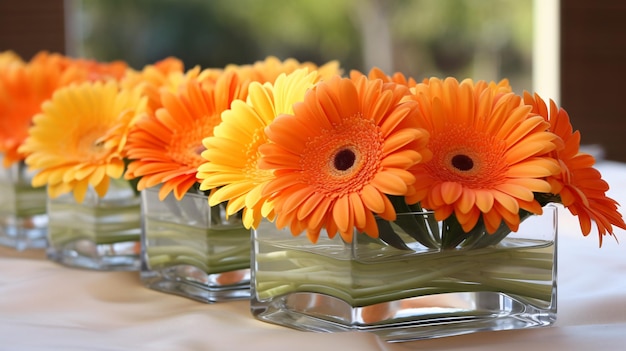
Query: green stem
point(212, 250)
point(451, 233)
point(19, 198)
point(521, 271)
point(101, 224)
point(411, 224)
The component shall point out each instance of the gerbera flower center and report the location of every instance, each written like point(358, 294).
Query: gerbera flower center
point(186, 144)
point(462, 162)
point(467, 156)
point(90, 146)
point(199, 149)
point(252, 157)
point(344, 159)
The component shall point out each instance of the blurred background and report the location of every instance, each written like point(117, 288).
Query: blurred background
point(464, 38)
point(569, 50)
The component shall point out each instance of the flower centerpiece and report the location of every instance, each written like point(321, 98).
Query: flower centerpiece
point(409, 209)
point(75, 147)
point(191, 246)
point(188, 247)
point(23, 217)
point(24, 86)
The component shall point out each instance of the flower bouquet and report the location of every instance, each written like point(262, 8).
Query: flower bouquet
point(188, 248)
point(23, 219)
point(24, 86)
point(409, 209)
point(192, 245)
point(75, 147)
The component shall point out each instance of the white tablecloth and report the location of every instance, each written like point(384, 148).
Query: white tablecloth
point(46, 306)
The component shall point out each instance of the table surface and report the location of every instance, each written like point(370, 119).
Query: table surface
point(46, 306)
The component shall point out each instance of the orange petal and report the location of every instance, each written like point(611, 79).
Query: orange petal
point(451, 191)
point(372, 198)
point(389, 183)
point(358, 211)
point(484, 200)
point(341, 213)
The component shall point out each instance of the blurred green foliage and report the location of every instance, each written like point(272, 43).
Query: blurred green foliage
point(479, 39)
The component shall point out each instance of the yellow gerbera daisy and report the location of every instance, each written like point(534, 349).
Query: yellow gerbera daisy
point(489, 154)
point(579, 185)
point(232, 152)
point(346, 147)
point(77, 139)
point(165, 147)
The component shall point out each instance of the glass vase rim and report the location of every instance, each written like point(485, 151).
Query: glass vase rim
point(191, 193)
point(431, 212)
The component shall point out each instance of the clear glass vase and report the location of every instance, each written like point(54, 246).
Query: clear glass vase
point(23, 218)
point(99, 233)
point(410, 290)
point(191, 249)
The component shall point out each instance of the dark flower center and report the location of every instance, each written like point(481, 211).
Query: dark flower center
point(198, 149)
point(344, 159)
point(462, 162)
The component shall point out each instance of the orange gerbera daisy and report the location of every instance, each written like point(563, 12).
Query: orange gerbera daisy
point(489, 154)
point(92, 70)
point(580, 186)
point(346, 147)
point(165, 147)
point(167, 73)
point(377, 73)
point(23, 87)
point(77, 139)
point(232, 152)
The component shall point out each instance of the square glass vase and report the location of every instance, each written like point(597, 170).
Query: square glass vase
point(193, 250)
point(410, 290)
point(23, 217)
point(101, 233)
